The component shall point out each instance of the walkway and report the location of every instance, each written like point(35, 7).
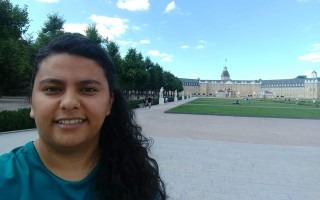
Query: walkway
point(13, 103)
point(227, 158)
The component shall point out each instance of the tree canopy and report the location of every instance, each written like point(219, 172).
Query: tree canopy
point(52, 28)
point(133, 71)
point(15, 52)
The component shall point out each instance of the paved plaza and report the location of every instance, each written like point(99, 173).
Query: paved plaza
point(13, 103)
point(226, 158)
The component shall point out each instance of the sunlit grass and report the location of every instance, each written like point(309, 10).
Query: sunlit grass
point(252, 108)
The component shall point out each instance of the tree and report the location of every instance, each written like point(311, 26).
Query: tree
point(141, 74)
point(149, 65)
point(52, 28)
point(14, 21)
point(178, 84)
point(134, 71)
point(156, 77)
point(92, 33)
point(172, 83)
point(15, 59)
point(114, 54)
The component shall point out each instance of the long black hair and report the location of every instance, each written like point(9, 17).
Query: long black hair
point(126, 170)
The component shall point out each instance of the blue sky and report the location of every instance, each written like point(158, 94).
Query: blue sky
point(267, 39)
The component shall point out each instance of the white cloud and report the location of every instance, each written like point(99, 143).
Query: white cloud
point(144, 42)
point(75, 28)
point(155, 53)
point(132, 44)
point(316, 47)
point(184, 46)
point(48, 1)
point(311, 57)
point(201, 44)
point(137, 28)
point(171, 6)
point(164, 56)
point(127, 43)
point(133, 5)
point(167, 59)
point(123, 42)
point(110, 27)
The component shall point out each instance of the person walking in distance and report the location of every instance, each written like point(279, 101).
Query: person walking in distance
point(149, 102)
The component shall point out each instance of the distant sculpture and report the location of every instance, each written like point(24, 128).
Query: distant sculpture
point(161, 92)
point(161, 99)
point(175, 96)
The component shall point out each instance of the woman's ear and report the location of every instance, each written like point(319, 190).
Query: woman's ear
point(31, 109)
point(110, 103)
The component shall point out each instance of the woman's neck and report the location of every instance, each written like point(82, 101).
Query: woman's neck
point(73, 165)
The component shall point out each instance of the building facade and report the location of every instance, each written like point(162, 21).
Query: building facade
point(299, 87)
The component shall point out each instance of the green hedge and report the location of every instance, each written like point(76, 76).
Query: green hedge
point(170, 99)
point(134, 103)
point(303, 102)
point(16, 120)
point(155, 101)
point(308, 103)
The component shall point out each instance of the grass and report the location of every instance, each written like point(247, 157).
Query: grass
point(252, 108)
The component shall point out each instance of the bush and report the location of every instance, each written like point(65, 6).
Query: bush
point(134, 103)
point(16, 120)
point(155, 101)
point(307, 103)
point(170, 99)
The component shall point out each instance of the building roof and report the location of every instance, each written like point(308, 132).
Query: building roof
point(189, 82)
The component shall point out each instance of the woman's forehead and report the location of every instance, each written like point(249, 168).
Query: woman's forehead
point(70, 66)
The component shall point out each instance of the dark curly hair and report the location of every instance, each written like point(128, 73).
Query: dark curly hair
point(126, 170)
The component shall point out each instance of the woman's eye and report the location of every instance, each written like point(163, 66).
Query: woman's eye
point(51, 89)
point(89, 90)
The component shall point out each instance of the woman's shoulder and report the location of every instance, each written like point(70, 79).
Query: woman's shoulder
point(15, 158)
point(12, 165)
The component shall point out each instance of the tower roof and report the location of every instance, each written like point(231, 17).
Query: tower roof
point(225, 72)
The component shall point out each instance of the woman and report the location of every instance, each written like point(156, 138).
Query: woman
point(89, 145)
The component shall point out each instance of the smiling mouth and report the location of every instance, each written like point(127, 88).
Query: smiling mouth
point(70, 122)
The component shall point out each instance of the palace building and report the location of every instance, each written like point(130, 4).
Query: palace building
point(299, 87)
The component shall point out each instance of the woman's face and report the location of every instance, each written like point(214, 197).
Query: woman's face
point(69, 102)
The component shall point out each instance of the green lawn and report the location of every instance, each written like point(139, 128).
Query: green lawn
point(254, 108)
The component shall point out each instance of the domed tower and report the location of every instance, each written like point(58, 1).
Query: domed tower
point(314, 74)
point(225, 74)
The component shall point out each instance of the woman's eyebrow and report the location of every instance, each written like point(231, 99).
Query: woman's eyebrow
point(60, 82)
point(89, 81)
point(52, 80)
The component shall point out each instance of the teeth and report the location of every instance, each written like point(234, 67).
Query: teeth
point(73, 121)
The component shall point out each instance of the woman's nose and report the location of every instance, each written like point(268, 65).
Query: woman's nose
point(69, 101)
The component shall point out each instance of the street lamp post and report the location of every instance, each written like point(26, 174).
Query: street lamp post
point(314, 78)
